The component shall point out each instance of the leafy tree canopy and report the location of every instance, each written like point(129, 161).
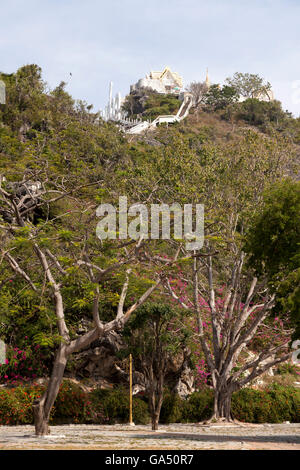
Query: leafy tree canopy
point(274, 244)
point(248, 84)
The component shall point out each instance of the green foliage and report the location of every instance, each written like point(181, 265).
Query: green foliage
point(152, 322)
point(276, 405)
point(248, 84)
point(158, 104)
point(46, 340)
point(287, 368)
point(199, 406)
point(219, 97)
point(72, 405)
point(38, 127)
point(16, 404)
point(173, 408)
point(273, 243)
point(261, 113)
point(149, 104)
point(115, 406)
point(274, 239)
point(68, 147)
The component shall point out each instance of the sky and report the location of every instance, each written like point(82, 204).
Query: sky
point(121, 41)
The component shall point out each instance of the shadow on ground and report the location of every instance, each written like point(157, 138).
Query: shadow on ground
point(290, 439)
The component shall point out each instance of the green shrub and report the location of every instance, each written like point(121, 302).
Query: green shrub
point(72, 405)
point(158, 104)
point(9, 408)
point(115, 406)
point(16, 404)
point(199, 406)
point(259, 113)
point(172, 409)
point(275, 405)
point(287, 368)
point(245, 404)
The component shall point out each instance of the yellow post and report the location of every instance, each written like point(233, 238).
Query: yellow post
point(130, 391)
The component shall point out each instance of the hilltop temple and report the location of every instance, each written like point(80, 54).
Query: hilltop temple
point(161, 82)
point(164, 82)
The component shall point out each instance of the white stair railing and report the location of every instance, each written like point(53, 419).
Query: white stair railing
point(168, 118)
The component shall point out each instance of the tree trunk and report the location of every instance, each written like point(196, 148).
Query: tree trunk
point(40, 421)
point(155, 418)
point(156, 399)
point(42, 407)
point(222, 405)
point(156, 413)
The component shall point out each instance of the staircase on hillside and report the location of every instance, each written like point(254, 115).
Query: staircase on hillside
point(168, 118)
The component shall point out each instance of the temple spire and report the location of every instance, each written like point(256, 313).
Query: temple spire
point(207, 80)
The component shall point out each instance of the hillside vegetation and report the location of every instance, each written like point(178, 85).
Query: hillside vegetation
point(228, 156)
point(225, 165)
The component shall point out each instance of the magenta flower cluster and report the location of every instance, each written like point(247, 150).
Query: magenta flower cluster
point(23, 365)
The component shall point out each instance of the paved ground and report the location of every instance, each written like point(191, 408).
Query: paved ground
point(175, 436)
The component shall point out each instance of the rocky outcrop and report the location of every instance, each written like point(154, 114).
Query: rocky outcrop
point(100, 361)
point(103, 367)
point(185, 384)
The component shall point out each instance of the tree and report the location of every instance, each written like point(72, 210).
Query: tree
point(150, 104)
point(273, 243)
point(248, 85)
point(155, 334)
point(131, 104)
point(24, 93)
point(198, 90)
point(261, 113)
point(235, 307)
point(219, 98)
point(60, 162)
point(46, 267)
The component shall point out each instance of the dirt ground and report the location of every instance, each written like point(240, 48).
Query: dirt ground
point(168, 437)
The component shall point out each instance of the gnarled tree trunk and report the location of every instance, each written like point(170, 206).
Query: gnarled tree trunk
point(222, 405)
point(42, 407)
